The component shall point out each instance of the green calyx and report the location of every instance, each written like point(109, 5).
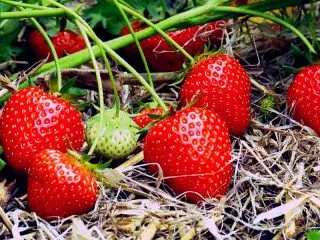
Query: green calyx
point(119, 135)
point(267, 104)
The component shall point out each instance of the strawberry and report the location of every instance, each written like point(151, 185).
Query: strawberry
point(69, 41)
point(220, 83)
point(119, 135)
point(143, 118)
point(33, 120)
point(40, 48)
point(161, 57)
point(304, 97)
point(59, 185)
point(193, 149)
point(65, 42)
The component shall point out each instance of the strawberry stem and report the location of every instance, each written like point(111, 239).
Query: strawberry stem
point(81, 57)
point(113, 83)
point(25, 5)
point(143, 58)
point(112, 53)
point(158, 30)
point(32, 13)
point(99, 81)
point(188, 17)
point(269, 17)
point(55, 87)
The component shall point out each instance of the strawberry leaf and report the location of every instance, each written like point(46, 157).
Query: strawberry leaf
point(82, 106)
point(104, 12)
point(9, 31)
point(313, 235)
point(69, 92)
point(154, 116)
point(2, 164)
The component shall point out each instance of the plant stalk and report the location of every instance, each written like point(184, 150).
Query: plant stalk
point(191, 17)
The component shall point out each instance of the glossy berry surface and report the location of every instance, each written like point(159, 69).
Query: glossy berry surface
point(162, 57)
point(193, 150)
point(303, 97)
point(33, 120)
point(59, 186)
point(221, 84)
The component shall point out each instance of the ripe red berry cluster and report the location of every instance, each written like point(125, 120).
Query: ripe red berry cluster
point(36, 130)
point(192, 145)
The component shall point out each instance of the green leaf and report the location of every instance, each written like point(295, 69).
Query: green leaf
point(104, 12)
point(155, 116)
point(5, 7)
point(8, 52)
point(2, 164)
point(298, 52)
point(69, 84)
point(8, 26)
point(69, 92)
point(82, 106)
point(313, 235)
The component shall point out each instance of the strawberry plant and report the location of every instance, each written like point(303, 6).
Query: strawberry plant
point(189, 148)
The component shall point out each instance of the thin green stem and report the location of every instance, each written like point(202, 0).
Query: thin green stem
point(112, 53)
point(121, 61)
point(269, 17)
point(25, 5)
point(161, 32)
point(136, 42)
point(32, 13)
point(195, 16)
point(52, 50)
point(99, 81)
point(113, 82)
point(81, 57)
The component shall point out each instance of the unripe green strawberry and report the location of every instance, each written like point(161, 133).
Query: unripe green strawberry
point(119, 135)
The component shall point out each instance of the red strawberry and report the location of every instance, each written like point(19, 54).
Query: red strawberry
point(220, 84)
point(162, 57)
point(143, 119)
point(60, 186)
point(304, 97)
point(69, 41)
point(65, 42)
point(193, 149)
point(40, 47)
point(33, 120)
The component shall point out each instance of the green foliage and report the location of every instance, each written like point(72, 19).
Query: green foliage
point(313, 235)
point(70, 92)
point(9, 30)
point(106, 14)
